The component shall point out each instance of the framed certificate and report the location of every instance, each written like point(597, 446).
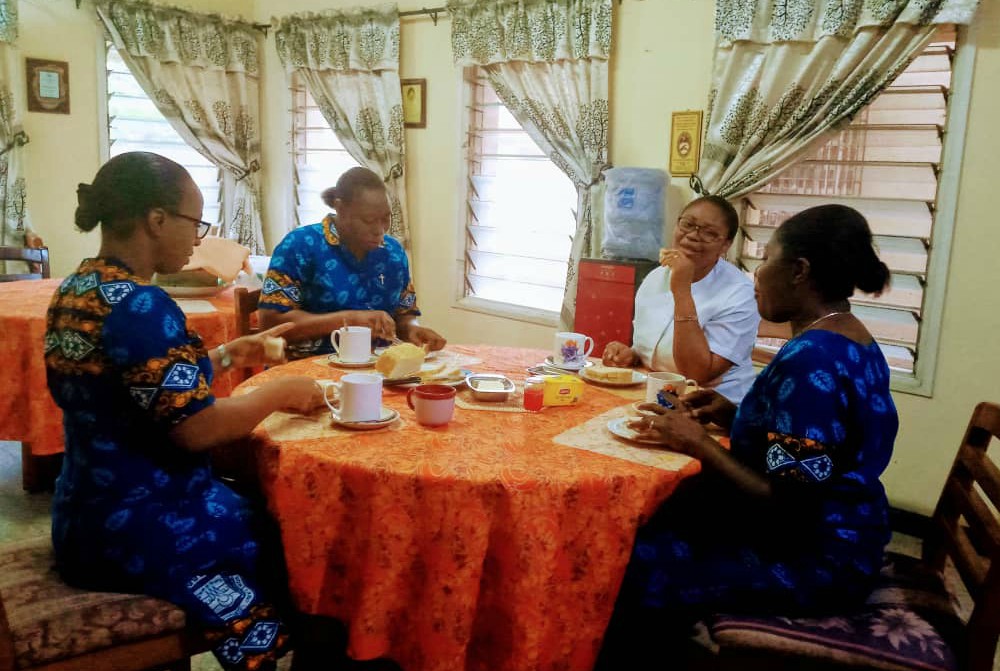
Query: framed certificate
point(685, 143)
point(414, 103)
point(48, 86)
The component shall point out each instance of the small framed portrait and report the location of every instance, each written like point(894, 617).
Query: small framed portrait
point(48, 85)
point(414, 103)
point(685, 143)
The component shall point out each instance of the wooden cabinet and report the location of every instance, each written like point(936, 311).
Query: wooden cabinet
point(605, 299)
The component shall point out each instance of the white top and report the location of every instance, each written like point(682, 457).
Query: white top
point(727, 313)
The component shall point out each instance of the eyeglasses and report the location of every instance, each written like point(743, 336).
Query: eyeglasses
point(701, 231)
point(203, 226)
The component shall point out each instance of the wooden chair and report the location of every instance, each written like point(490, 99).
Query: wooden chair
point(39, 256)
point(911, 620)
point(46, 625)
point(246, 305)
point(775, 334)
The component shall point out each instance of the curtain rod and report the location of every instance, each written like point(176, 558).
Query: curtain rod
point(433, 12)
point(262, 27)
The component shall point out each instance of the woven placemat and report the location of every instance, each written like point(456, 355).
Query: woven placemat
point(514, 403)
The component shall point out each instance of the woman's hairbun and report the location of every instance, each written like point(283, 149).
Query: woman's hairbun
point(329, 195)
point(86, 217)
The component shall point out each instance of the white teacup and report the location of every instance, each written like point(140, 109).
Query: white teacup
point(353, 344)
point(358, 397)
point(571, 349)
point(675, 383)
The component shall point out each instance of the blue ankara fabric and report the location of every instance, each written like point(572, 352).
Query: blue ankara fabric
point(132, 511)
point(819, 423)
point(310, 270)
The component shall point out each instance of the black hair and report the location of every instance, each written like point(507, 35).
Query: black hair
point(350, 183)
point(127, 187)
point(837, 242)
point(728, 212)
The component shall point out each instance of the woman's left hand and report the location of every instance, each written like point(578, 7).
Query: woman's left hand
point(681, 268)
point(253, 350)
point(674, 428)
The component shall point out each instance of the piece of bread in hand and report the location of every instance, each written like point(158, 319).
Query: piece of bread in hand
point(603, 373)
point(400, 360)
point(274, 349)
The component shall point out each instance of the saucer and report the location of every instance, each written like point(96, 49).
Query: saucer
point(549, 361)
point(638, 377)
point(334, 360)
point(388, 417)
point(619, 428)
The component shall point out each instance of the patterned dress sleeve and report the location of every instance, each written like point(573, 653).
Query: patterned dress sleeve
point(804, 434)
point(163, 366)
point(407, 303)
point(282, 290)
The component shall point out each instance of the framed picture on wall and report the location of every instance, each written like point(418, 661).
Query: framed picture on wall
point(685, 143)
point(48, 85)
point(414, 103)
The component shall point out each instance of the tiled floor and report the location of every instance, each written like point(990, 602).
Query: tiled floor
point(24, 515)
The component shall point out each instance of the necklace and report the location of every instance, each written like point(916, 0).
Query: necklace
point(826, 316)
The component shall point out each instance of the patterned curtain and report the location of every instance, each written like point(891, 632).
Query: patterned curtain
point(12, 140)
point(547, 60)
point(787, 72)
point(349, 60)
point(202, 72)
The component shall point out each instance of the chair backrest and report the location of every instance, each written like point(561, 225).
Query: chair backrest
point(39, 256)
point(246, 304)
point(775, 333)
point(966, 528)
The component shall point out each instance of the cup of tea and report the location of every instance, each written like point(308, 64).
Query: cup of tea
point(353, 344)
point(356, 398)
point(433, 403)
point(571, 349)
point(662, 384)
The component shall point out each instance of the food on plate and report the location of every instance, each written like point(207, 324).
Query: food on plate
point(439, 372)
point(274, 349)
point(603, 373)
point(400, 360)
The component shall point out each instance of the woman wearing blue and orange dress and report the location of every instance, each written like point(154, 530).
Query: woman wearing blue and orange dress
point(794, 519)
point(137, 508)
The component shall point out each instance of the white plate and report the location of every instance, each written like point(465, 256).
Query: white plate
point(388, 417)
point(453, 382)
point(638, 377)
point(549, 361)
point(619, 428)
point(194, 292)
point(334, 360)
point(430, 356)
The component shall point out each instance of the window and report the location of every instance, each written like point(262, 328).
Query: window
point(520, 209)
point(318, 156)
point(885, 164)
point(134, 124)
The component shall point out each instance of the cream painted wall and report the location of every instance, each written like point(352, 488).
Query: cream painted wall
point(661, 63)
point(64, 149)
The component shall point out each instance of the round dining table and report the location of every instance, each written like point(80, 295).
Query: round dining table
point(497, 541)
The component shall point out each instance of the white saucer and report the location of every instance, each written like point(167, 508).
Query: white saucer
point(388, 417)
point(452, 382)
point(430, 356)
point(549, 361)
point(334, 360)
point(638, 377)
point(619, 428)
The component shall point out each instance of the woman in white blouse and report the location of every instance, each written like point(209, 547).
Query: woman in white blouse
point(696, 315)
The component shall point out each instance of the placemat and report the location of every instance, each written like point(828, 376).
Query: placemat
point(594, 436)
point(193, 307)
point(515, 401)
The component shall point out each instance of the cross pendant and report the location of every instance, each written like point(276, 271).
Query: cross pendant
point(381, 279)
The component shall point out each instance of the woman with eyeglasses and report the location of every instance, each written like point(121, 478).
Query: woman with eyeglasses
point(696, 315)
point(136, 507)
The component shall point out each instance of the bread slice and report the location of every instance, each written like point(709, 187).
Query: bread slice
point(400, 360)
point(603, 373)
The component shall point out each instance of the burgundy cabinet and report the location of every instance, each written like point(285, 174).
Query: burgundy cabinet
point(605, 299)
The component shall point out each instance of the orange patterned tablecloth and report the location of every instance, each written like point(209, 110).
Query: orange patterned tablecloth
point(27, 412)
point(479, 545)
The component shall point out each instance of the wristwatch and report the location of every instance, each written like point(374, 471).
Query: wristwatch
point(224, 359)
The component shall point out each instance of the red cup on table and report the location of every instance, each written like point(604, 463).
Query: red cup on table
point(433, 403)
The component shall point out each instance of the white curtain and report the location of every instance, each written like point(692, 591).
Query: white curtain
point(13, 197)
point(547, 60)
point(786, 73)
point(349, 60)
point(201, 71)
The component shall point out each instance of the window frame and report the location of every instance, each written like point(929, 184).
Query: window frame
point(461, 301)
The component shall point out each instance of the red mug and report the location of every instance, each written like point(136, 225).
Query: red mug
point(433, 403)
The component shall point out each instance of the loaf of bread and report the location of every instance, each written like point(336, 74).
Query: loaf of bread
point(400, 360)
point(603, 373)
point(274, 349)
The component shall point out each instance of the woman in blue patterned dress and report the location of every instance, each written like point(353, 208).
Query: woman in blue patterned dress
point(137, 508)
point(794, 518)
